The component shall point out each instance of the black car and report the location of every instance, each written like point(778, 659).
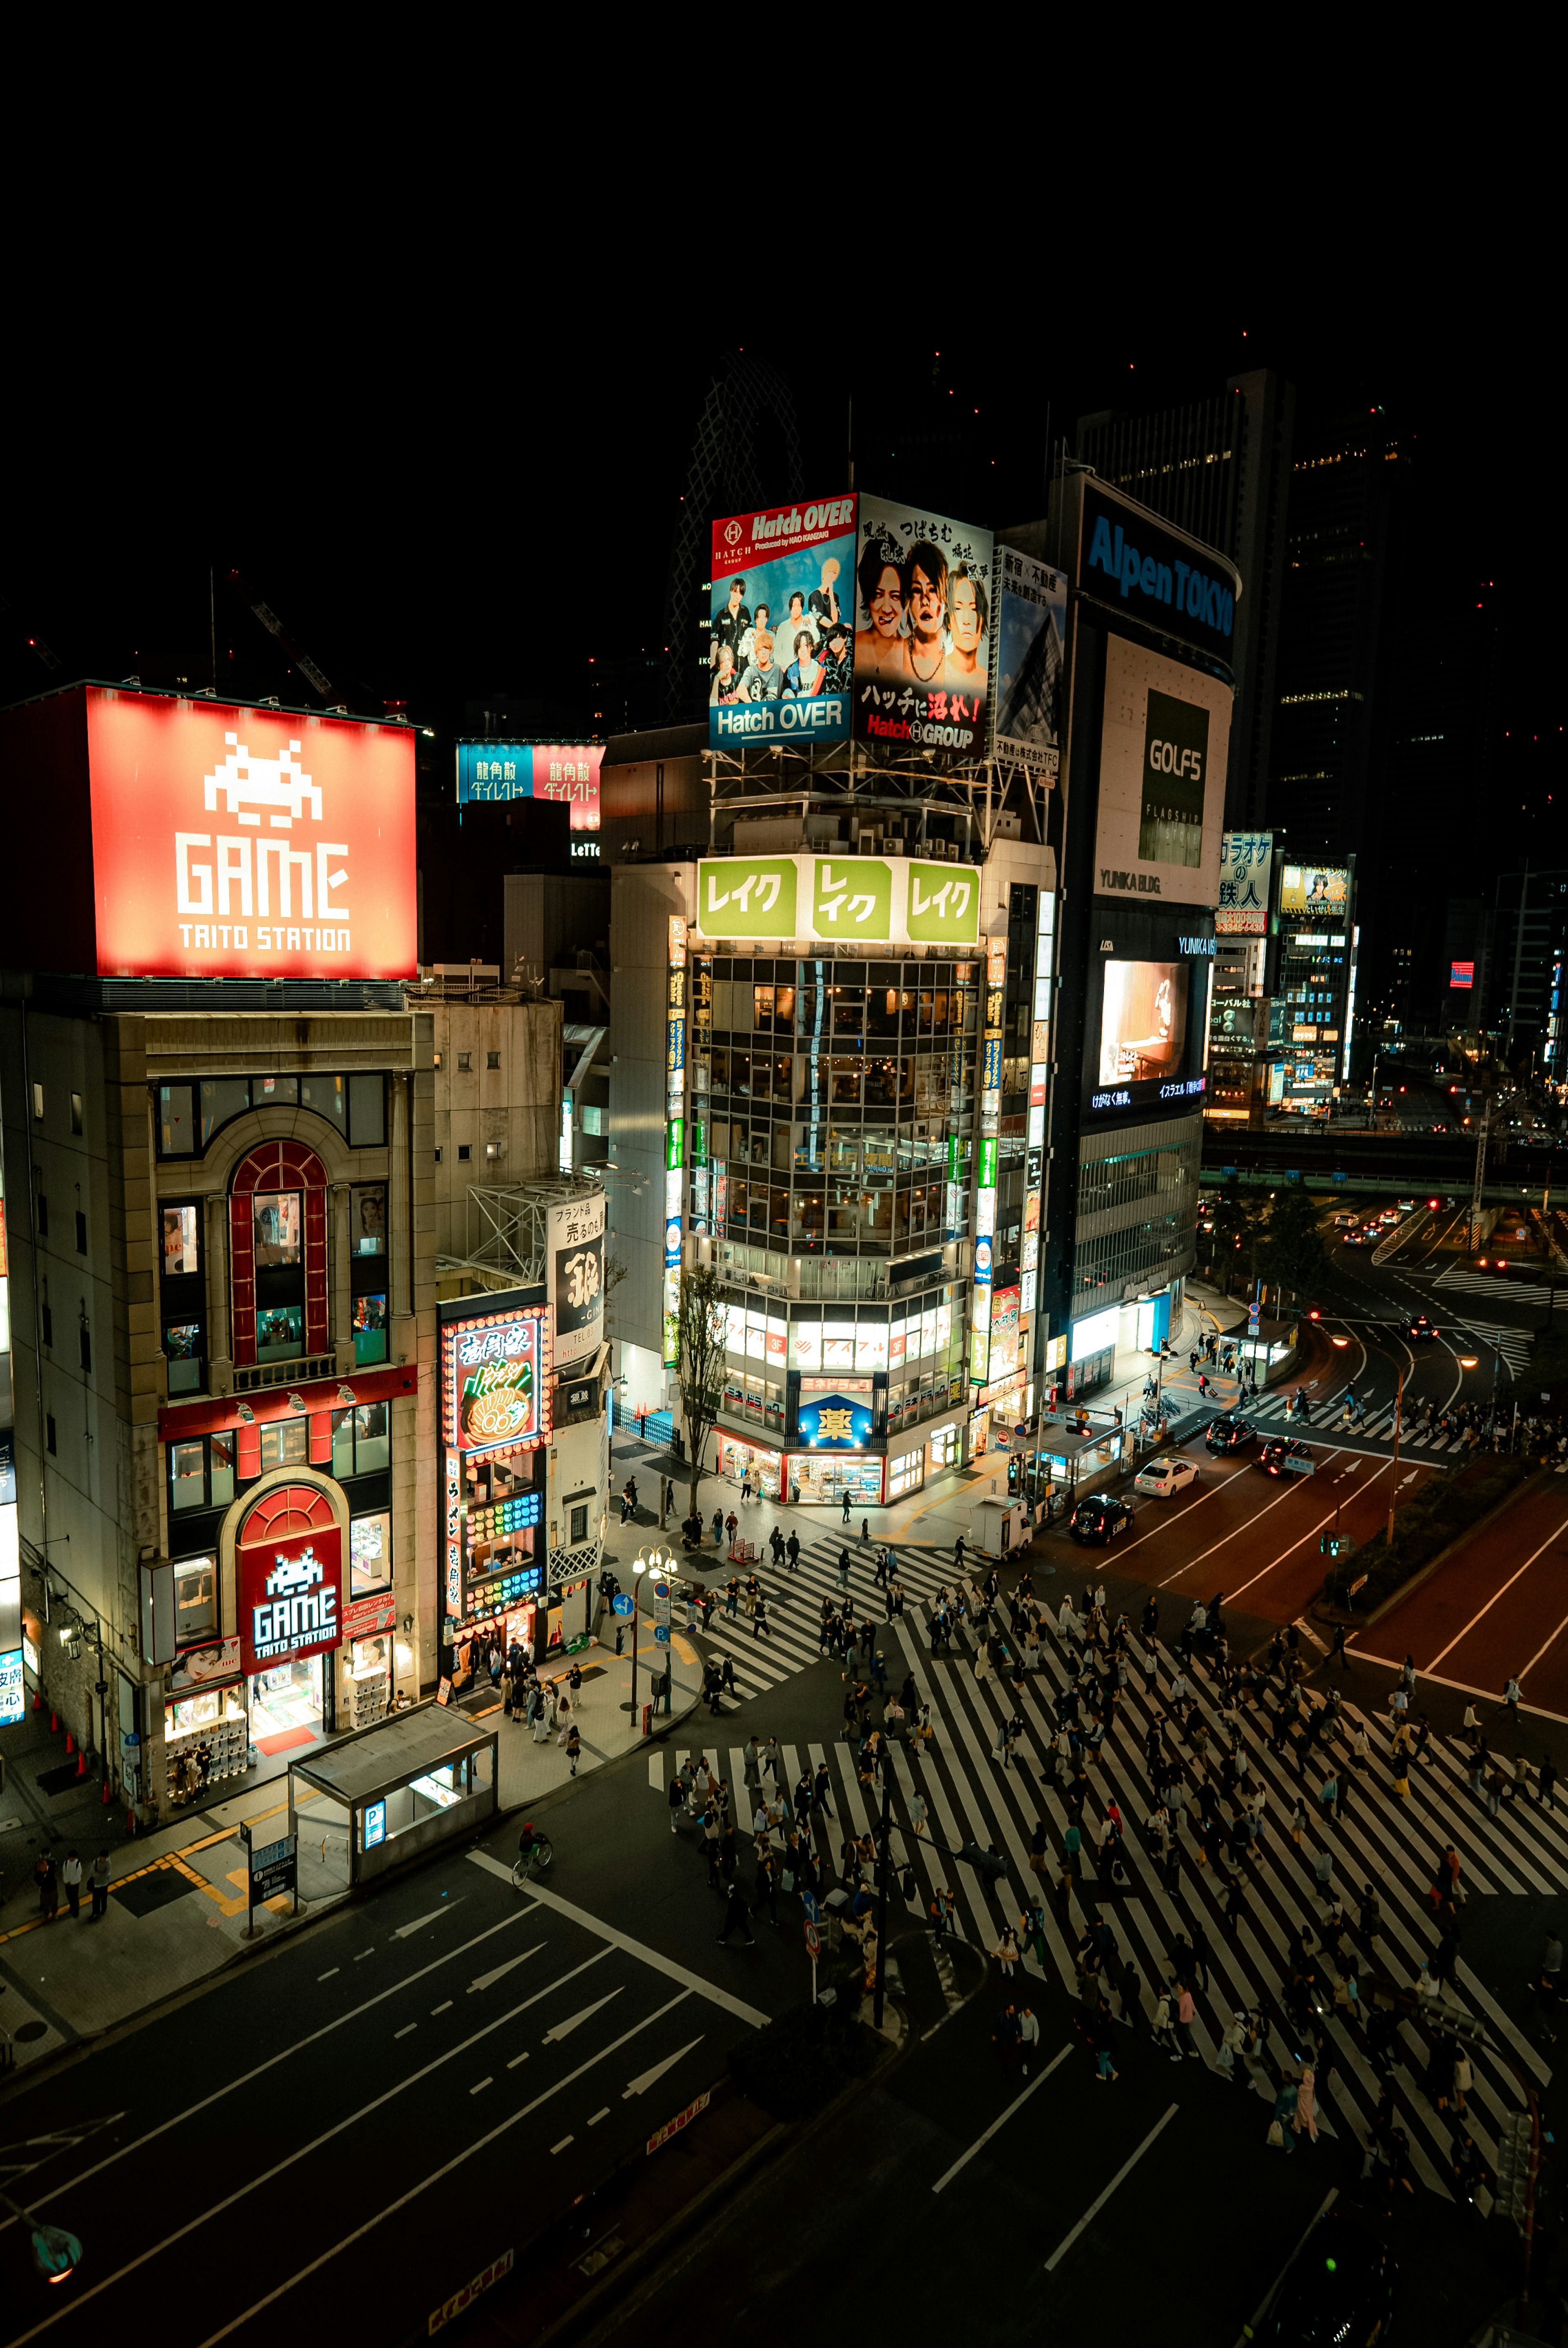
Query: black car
point(1420, 1327)
point(1229, 1431)
point(1100, 1518)
point(1342, 2285)
point(1273, 1455)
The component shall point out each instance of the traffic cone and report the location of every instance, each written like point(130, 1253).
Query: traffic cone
point(109, 1794)
point(70, 1744)
point(54, 1722)
point(38, 1699)
point(82, 1761)
point(130, 1822)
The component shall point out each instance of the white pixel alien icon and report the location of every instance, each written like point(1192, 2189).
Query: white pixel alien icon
point(293, 1573)
point(249, 782)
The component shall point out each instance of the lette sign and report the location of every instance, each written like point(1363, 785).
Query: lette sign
point(248, 843)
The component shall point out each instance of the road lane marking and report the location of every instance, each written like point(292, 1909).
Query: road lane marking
point(480, 2085)
point(1492, 1601)
point(638, 1949)
point(303, 2152)
point(339, 2022)
point(480, 2143)
point(516, 2059)
point(363, 1954)
point(1227, 1537)
point(1311, 1534)
point(1000, 2121)
point(435, 1917)
point(1461, 1687)
point(573, 2021)
point(1100, 2200)
point(488, 1980)
point(599, 2116)
point(406, 2029)
point(447, 2008)
point(646, 2079)
point(329, 1972)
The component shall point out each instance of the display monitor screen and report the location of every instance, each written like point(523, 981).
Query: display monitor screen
point(1144, 1026)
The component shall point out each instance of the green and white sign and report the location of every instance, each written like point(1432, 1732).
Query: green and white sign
point(854, 898)
point(944, 907)
point(747, 897)
point(865, 900)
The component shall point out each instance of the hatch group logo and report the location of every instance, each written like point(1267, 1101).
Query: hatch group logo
point(232, 843)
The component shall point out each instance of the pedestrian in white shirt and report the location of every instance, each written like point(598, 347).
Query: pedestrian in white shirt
point(1029, 2037)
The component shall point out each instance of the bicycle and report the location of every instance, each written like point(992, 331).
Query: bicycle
point(537, 1861)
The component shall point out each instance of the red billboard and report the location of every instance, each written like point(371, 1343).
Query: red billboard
point(248, 843)
point(1461, 973)
point(291, 1596)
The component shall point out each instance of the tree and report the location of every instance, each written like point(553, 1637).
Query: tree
point(1291, 1253)
point(702, 1324)
point(1238, 1218)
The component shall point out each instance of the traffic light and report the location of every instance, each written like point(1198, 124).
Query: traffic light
point(1314, 1314)
point(56, 2255)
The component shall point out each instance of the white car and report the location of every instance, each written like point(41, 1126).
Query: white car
point(1164, 1477)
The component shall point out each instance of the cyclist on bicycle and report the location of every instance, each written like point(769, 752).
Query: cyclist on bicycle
point(526, 1840)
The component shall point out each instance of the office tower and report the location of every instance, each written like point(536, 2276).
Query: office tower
point(1220, 468)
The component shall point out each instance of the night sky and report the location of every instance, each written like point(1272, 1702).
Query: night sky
point(446, 504)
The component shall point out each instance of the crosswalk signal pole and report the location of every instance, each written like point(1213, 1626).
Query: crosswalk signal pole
point(1394, 1478)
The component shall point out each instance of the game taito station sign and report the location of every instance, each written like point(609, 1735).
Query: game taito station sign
point(839, 898)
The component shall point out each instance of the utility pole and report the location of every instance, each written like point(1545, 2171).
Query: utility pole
point(1477, 1187)
point(1394, 1485)
point(884, 1831)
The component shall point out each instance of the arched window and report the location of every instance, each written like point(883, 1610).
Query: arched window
point(278, 1242)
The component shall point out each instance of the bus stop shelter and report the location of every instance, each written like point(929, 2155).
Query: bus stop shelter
point(395, 1789)
point(1070, 1458)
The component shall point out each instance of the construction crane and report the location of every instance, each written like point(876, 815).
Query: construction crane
point(274, 627)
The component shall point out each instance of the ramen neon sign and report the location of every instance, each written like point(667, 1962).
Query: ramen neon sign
point(495, 1381)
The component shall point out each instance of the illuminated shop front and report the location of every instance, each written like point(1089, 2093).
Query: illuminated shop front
point(738, 1458)
point(836, 1421)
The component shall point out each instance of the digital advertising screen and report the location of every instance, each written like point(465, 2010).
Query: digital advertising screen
point(234, 842)
point(780, 624)
point(1148, 1023)
point(922, 629)
point(1164, 741)
point(1315, 891)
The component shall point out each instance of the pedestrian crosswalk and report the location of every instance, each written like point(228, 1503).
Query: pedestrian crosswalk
point(1513, 1345)
point(1395, 1845)
point(1478, 1283)
point(761, 1660)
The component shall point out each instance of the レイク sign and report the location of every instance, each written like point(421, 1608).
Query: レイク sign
point(898, 901)
point(291, 1594)
point(248, 843)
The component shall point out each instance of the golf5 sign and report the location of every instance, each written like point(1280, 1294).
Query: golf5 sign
point(864, 899)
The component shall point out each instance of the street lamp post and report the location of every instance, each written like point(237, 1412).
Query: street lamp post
point(638, 1569)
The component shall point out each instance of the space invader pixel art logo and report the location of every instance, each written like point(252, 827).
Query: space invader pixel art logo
point(249, 783)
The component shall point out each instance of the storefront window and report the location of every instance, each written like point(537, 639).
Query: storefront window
point(201, 1473)
point(736, 1458)
point(905, 1475)
point(367, 1221)
point(942, 1451)
point(182, 1349)
point(181, 1241)
point(361, 1439)
point(822, 1477)
point(195, 1600)
point(286, 1444)
point(280, 1333)
point(369, 1329)
point(370, 1554)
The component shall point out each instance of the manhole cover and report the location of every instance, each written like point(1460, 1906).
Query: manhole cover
point(30, 2030)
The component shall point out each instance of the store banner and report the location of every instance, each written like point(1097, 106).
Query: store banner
point(1247, 870)
point(291, 1593)
point(834, 1421)
point(366, 1616)
point(865, 900)
point(200, 1667)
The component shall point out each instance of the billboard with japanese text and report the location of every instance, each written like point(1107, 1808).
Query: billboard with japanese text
point(1318, 892)
point(567, 772)
point(780, 624)
point(575, 1251)
point(1247, 868)
point(1029, 637)
point(248, 843)
point(897, 900)
point(922, 629)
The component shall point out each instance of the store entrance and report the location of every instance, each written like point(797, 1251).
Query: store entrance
point(289, 1704)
